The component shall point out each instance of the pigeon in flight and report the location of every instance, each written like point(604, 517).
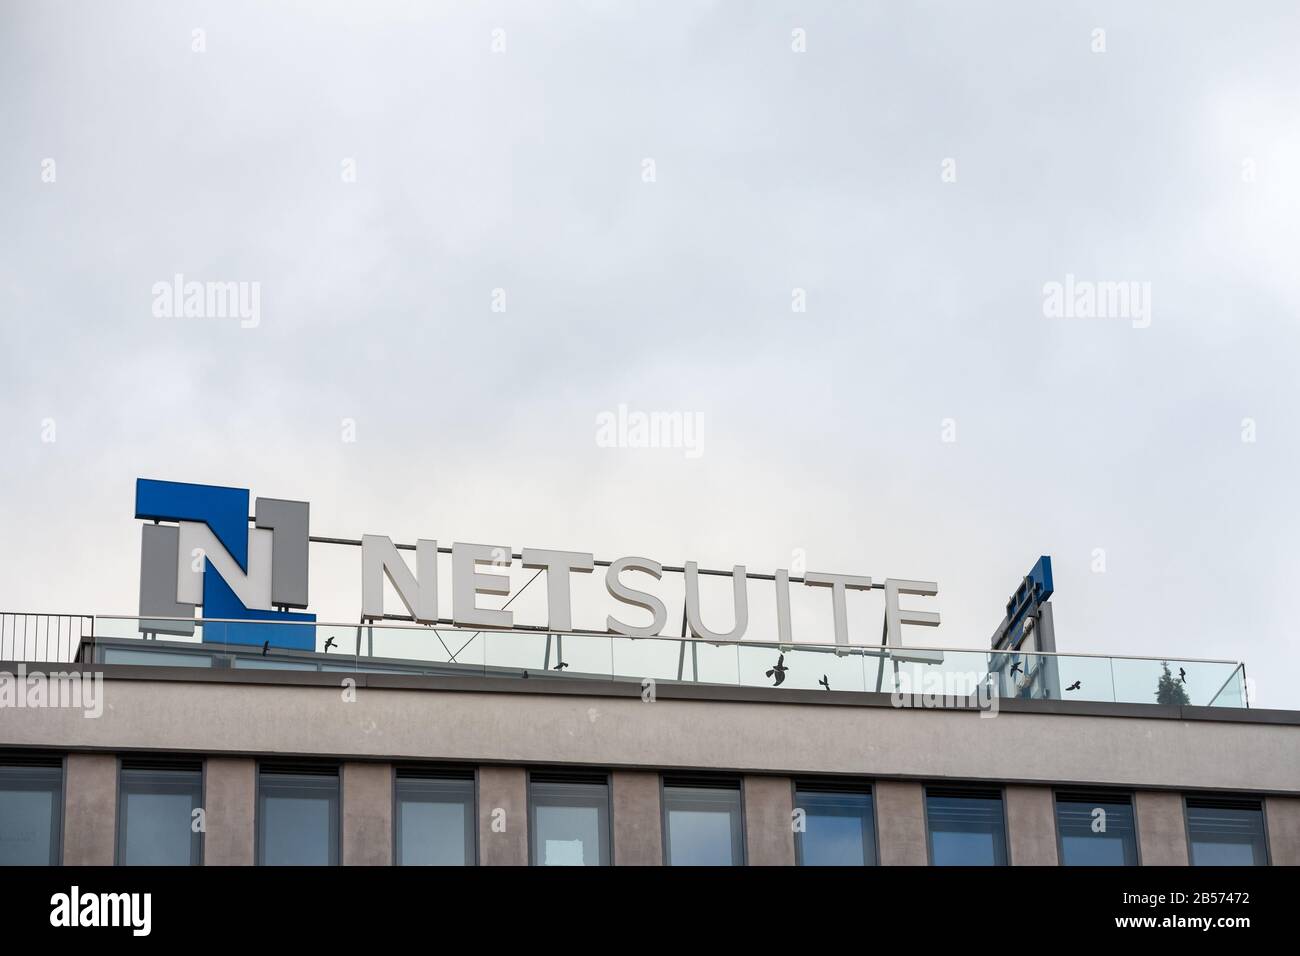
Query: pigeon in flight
point(825, 682)
point(1075, 686)
point(266, 646)
point(1015, 668)
point(1182, 676)
point(560, 666)
point(779, 670)
point(328, 644)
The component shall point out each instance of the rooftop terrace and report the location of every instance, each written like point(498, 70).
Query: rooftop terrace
point(532, 654)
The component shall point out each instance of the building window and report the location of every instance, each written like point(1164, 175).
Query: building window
point(1096, 829)
point(435, 823)
point(838, 827)
point(155, 815)
point(702, 823)
point(569, 820)
point(966, 827)
point(1226, 832)
point(31, 812)
point(297, 817)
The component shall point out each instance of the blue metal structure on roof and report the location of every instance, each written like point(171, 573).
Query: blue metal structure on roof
point(1035, 588)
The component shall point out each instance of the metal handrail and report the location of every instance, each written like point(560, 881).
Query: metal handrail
point(870, 649)
point(1240, 668)
point(65, 632)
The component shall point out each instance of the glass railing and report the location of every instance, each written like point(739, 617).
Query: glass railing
point(918, 673)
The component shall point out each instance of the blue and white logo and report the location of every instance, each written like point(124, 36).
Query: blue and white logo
point(211, 558)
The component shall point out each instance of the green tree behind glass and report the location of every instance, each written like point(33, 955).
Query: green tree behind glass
point(1170, 690)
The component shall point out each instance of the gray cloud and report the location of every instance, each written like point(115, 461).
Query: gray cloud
point(775, 171)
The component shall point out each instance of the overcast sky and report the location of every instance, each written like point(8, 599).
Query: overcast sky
point(923, 417)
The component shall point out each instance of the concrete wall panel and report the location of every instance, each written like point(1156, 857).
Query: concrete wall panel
point(1283, 819)
point(622, 732)
point(1031, 826)
point(638, 819)
point(900, 823)
point(769, 834)
point(1162, 831)
point(90, 809)
point(503, 816)
point(367, 814)
point(229, 803)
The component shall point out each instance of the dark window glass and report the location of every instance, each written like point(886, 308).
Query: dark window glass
point(1226, 832)
point(966, 829)
point(298, 819)
point(838, 829)
point(435, 821)
point(1096, 830)
point(703, 826)
point(155, 822)
point(31, 807)
point(570, 822)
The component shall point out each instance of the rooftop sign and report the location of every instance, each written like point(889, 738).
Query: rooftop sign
point(212, 559)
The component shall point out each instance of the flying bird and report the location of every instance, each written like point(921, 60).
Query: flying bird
point(1075, 686)
point(266, 646)
point(779, 670)
point(1182, 676)
point(328, 644)
point(825, 682)
point(1015, 668)
point(560, 666)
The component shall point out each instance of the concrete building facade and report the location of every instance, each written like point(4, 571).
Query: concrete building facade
point(528, 770)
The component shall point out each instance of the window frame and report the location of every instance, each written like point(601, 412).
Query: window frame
point(688, 782)
point(1227, 798)
point(425, 772)
point(278, 769)
point(973, 791)
point(37, 761)
point(832, 786)
point(603, 777)
point(1114, 796)
point(148, 765)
